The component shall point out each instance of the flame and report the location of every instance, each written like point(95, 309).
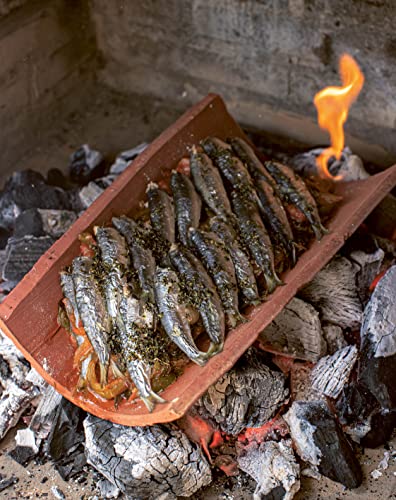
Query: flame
point(332, 104)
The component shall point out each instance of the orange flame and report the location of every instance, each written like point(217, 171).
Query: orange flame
point(333, 104)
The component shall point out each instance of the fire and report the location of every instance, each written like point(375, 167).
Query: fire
point(333, 104)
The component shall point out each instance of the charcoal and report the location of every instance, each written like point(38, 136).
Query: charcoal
point(146, 462)
point(4, 235)
point(334, 294)
point(247, 396)
point(369, 265)
point(7, 286)
point(125, 157)
point(25, 190)
point(22, 254)
point(382, 425)
point(29, 222)
point(65, 442)
point(22, 454)
point(89, 193)
point(57, 493)
point(56, 222)
point(334, 338)
point(301, 383)
point(349, 166)
point(273, 466)
point(85, 164)
point(6, 482)
point(319, 440)
point(105, 182)
point(296, 332)
point(377, 364)
point(331, 373)
point(107, 489)
point(47, 411)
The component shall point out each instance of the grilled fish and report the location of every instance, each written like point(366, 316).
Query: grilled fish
point(202, 295)
point(132, 318)
point(242, 149)
point(92, 311)
point(67, 285)
point(292, 189)
point(243, 270)
point(207, 180)
point(142, 257)
point(162, 213)
point(173, 318)
point(220, 267)
point(231, 167)
point(255, 238)
point(187, 204)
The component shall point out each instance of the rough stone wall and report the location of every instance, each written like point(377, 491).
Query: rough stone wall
point(47, 49)
point(262, 55)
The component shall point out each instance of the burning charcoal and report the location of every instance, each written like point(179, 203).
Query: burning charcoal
point(350, 166)
point(377, 365)
point(65, 443)
point(146, 462)
point(22, 254)
point(273, 466)
point(331, 373)
point(247, 396)
point(84, 164)
point(89, 193)
point(124, 158)
point(319, 440)
point(296, 332)
point(29, 223)
point(334, 338)
point(56, 222)
point(333, 292)
point(369, 265)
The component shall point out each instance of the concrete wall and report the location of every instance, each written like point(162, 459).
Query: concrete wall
point(263, 56)
point(47, 51)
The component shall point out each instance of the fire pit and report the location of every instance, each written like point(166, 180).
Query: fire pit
point(305, 388)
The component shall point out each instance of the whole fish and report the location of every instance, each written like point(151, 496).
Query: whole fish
point(255, 238)
point(207, 180)
point(172, 314)
point(243, 270)
point(131, 317)
point(202, 295)
point(275, 220)
point(140, 346)
point(231, 167)
point(242, 149)
point(67, 285)
point(162, 213)
point(220, 267)
point(92, 311)
point(292, 189)
point(142, 258)
point(187, 204)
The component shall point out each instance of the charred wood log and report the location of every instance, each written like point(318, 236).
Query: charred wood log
point(273, 466)
point(146, 462)
point(319, 440)
point(369, 265)
point(377, 366)
point(296, 332)
point(334, 294)
point(331, 373)
point(247, 396)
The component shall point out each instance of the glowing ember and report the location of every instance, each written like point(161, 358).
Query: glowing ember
point(333, 104)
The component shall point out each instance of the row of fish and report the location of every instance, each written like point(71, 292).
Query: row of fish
point(206, 251)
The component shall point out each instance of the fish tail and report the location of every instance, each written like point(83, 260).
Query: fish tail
point(102, 374)
point(234, 318)
point(293, 252)
point(214, 348)
point(151, 400)
point(271, 282)
point(117, 372)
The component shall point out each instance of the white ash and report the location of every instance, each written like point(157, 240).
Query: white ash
point(379, 318)
point(125, 157)
point(331, 373)
point(296, 331)
point(271, 464)
point(375, 474)
point(334, 338)
point(146, 461)
point(334, 294)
